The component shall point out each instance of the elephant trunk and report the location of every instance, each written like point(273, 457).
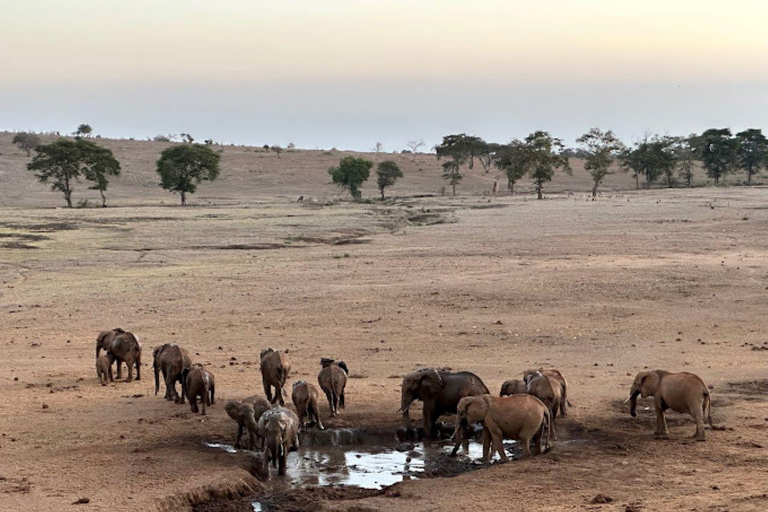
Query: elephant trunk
point(633, 404)
point(405, 407)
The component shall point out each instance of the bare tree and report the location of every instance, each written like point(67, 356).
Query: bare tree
point(414, 145)
point(378, 148)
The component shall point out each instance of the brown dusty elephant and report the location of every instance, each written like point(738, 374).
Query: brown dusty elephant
point(170, 359)
point(247, 414)
point(555, 374)
point(275, 367)
point(333, 380)
point(126, 348)
point(520, 417)
point(304, 396)
point(440, 390)
point(199, 382)
point(513, 387)
point(682, 392)
point(548, 390)
point(105, 339)
point(279, 427)
point(104, 370)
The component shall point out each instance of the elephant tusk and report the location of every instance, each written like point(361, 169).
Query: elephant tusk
point(627, 401)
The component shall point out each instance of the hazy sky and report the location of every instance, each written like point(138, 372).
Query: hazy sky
point(323, 73)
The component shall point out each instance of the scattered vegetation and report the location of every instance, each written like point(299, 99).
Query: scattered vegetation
point(387, 173)
point(26, 141)
point(351, 173)
point(600, 148)
point(182, 168)
point(84, 130)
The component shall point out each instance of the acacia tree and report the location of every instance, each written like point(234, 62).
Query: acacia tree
point(601, 148)
point(718, 151)
point(543, 155)
point(511, 159)
point(26, 141)
point(351, 173)
point(414, 145)
point(753, 152)
point(650, 157)
point(457, 150)
point(684, 149)
point(486, 153)
point(84, 130)
point(182, 168)
point(98, 164)
point(387, 173)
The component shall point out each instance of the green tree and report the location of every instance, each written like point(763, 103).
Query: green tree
point(84, 130)
point(684, 149)
point(387, 173)
point(511, 159)
point(98, 164)
point(651, 157)
point(183, 167)
point(26, 141)
point(351, 173)
point(486, 153)
point(544, 155)
point(718, 151)
point(457, 150)
point(753, 152)
point(601, 149)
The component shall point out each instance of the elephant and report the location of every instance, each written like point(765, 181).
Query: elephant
point(105, 339)
point(275, 367)
point(247, 414)
point(440, 390)
point(304, 397)
point(513, 387)
point(521, 417)
point(279, 427)
point(126, 348)
point(555, 374)
point(548, 390)
point(333, 379)
point(198, 382)
point(682, 392)
point(170, 359)
point(104, 370)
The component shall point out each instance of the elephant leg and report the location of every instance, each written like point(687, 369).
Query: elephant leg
point(137, 362)
point(279, 392)
point(213, 394)
point(661, 422)
point(329, 396)
point(281, 460)
point(193, 403)
point(170, 388)
point(341, 399)
point(129, 364)
point(267, 389)
point(697, 412)
point(554, 431)
point(239, 435)
point(563, 405)
point(496, 438)
point(119, 363)
point(109, 372)
point(487, 450)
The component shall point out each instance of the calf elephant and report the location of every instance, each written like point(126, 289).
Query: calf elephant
point(555, 374)
point(104, 370)
point(521, 417)
point(199, 382)
point(682, 392)
point(126, 348)
point(280, 429)
point(171, 360)
point(275, 367)
point(513, 387)
point(304, 396)
point(247, 414)
point(333, 380)
point(440, 391)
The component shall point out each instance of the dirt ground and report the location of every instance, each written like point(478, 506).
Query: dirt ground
point(672, 279)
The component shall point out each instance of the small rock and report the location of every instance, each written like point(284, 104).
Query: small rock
point(601, 498)
point(498, 322)
point(122, 436)
point(45, 406)
point(15, 379)
point(81, 501)
point(715, 488)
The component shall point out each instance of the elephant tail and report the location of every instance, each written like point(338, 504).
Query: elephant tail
point(157, 378)
point(707, 409)
point(546, 427)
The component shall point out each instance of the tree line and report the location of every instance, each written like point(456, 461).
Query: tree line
point(654, 158)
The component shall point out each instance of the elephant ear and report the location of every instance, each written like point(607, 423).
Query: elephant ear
point(648, 384)
point(430, 383)
point(476, 409)
point(343, 366)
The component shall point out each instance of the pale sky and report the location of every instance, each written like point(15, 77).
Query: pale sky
point(351, 73)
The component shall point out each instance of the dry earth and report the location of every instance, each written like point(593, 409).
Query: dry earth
point(672, 279)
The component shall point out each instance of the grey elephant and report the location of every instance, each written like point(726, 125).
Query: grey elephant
point(199, 382)
point(333, 381)
point(171, 360)
point(548, 390)
point(126, 348)
point(560, 378)
point(682, 392)
point(513, 387)
point(247, 414)
point(279, 427)
point(105, 338)
point(521, 417)
point(440, 390)
point(304, 396)
point(275, 367)
point(104, 370)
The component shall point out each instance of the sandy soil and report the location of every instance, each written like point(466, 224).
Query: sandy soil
point(672, 279)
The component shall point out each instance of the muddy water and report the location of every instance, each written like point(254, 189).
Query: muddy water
point(368, 460)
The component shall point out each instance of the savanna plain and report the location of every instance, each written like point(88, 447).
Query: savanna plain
point(675, 279)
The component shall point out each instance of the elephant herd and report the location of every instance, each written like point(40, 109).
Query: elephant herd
point(525, 409)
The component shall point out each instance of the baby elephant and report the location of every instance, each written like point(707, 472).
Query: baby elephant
point(304, 397)
point(333, 380)
point(104, 370)
point(548, 390)
point(521, 417)
point(198, 382)
point(513, 387)
point(280, 429)
point(682, 392)
point(247, 414)
point(555, 374)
